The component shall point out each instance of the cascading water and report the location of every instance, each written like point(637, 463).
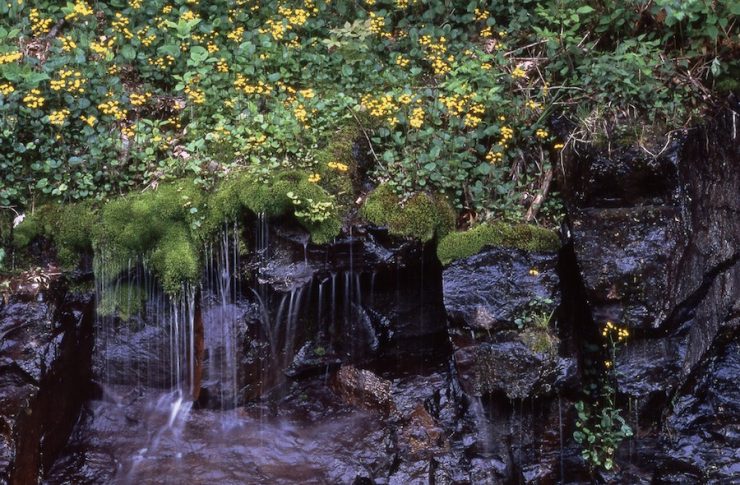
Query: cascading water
point(229, 380)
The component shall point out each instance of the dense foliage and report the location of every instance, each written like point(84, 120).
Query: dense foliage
point(98, 98)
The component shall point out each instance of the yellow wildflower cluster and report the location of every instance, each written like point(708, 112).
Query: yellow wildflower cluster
point(338, 166)
point(437, 54)
point(33, 99)
point(222, 65)
point(9, 57)
point(195, 94)
point(519, 73)
point(531, 104)
point(139, 99)
point(486, 32)
point(296, 17)
point(381, 107)
point(611, 330)
point(496, 154)
point(402, 61)
point(481, 15)
point(163, 62)
point(236, 35)
point(6, 89)
point(120, 23)
point(558, 146)
point(534, 272)
point(167, 9)
point(475, 115)
point(112, 108)
point(145, 37)
point(103, 46)
point(58, 117)
point(377, 25)
point(457, 104)
point(275, 28)
point(69, 81)
point(68, 44)
point(416, 120)
point(80, 9)
point(135, 4)
point(507, 133)
point(242, 84)
point(128, 131)
point(188, 15)
point(541, 134)
point(404, 4)
point(300, 113)
point(89, 120)
point(307, 93)
point(39, 26)
point(314, 178)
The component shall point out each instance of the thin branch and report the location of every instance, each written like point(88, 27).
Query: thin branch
point(367, 137)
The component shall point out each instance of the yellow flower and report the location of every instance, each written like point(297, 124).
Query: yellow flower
point(341, 167)
point(6, 89)
point(542, 134)
point(558, 146)
point(139, 99)
point(417, 118)
point(58, 117)
point(34, 100)
point(314, 177)
point(518, 72)
point(534, 272)
point(89, 120)
point(9, 57)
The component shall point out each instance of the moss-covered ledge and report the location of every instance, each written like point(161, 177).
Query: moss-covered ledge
point(423, 216)
point(458, 245)
point(168, 226)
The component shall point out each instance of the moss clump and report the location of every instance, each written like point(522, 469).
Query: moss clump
point(244, 192)
point(176, 259)
point(28, 230)
point(458, 245)
point(124, 300)
point(69, 227)
point(157, 225)
point(423, 216)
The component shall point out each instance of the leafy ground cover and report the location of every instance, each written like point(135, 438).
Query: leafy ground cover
point(453, 98)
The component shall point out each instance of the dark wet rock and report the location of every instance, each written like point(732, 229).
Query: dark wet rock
point(658, 249)
point(362, 388)
point(623, 255)
point(45, 348)
point(702, 434)
point(508, 367)
point(489, 291)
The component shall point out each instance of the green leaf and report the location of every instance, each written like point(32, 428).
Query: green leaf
point(128, 52)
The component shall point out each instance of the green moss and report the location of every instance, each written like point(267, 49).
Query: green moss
point(176, 259)
point(458, 245)
point(124, 300)
point(541, 340)
point(28, 230)
point(423, 216)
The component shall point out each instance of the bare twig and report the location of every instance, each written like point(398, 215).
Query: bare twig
point(367, 137)
point(541, 195)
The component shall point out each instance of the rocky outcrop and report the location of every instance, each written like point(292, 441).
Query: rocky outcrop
point(657, 243)
point(45, 348)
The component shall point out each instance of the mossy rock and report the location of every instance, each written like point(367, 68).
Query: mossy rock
point(69, 227)
point(458, 245)
point(423, 216)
